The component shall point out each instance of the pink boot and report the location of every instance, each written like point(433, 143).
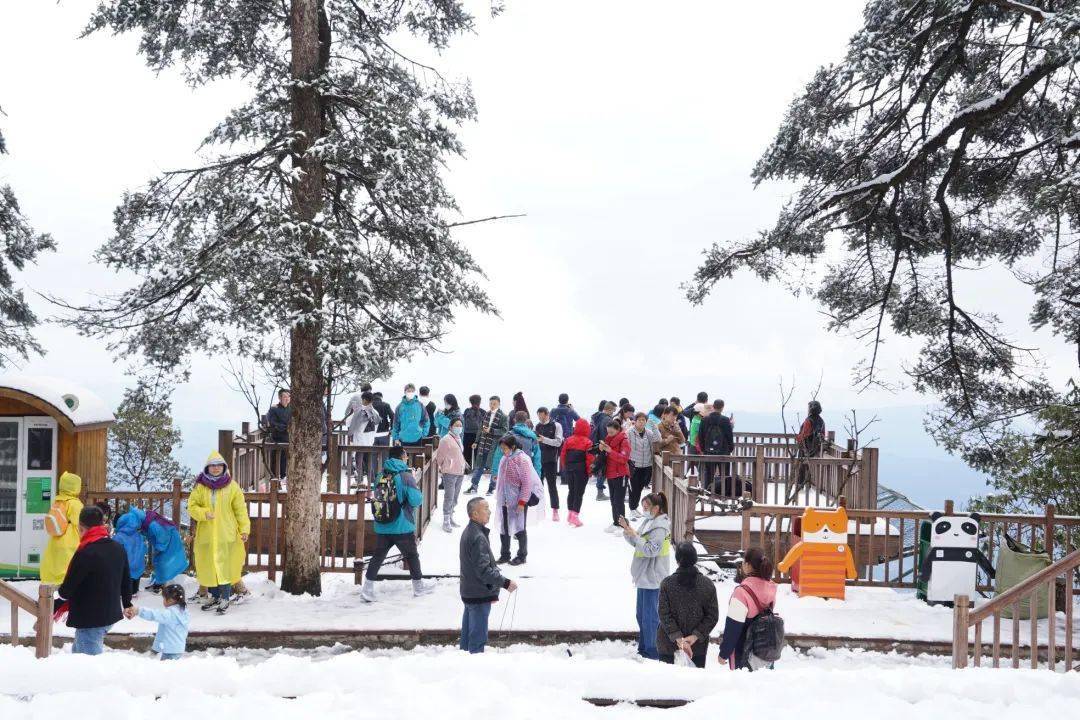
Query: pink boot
point(574, 520)
point(555, 515)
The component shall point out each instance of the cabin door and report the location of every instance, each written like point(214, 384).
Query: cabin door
point(10, 496)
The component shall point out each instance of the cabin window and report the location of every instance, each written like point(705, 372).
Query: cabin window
point(39, 448)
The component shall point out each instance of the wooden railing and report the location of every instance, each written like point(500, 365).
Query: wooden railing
point(775, 479)
point(41, 609)
point(1045, 584)
point(885, 542)
point(668, 479)
point(343, 530)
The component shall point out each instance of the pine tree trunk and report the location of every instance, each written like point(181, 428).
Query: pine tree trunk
point(301, 571)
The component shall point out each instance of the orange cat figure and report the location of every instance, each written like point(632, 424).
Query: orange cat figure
point(823, 554)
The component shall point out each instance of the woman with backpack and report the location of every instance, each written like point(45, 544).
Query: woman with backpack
point(517, 488)
point(62, 526)
point(756, 593)
point(651, 564)
point(688, 610)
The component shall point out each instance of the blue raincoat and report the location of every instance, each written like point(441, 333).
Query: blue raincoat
point(129, 535)
point(170, 558)
point(444, 419)
point(408, 494)
point(411, 422)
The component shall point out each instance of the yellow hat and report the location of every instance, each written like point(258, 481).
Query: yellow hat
point(215, 458)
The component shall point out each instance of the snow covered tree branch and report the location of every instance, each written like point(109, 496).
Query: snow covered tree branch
point(946, 137)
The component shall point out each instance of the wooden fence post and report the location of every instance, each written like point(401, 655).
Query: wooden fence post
point(744, 536)
point(177, 491)
point(949, 505)
point(868, 479)
point(333, 464)
point(272, 541)
point(961, 609)
point(759, 475)
point(1048, 544)
point(225, 447)
point(43, 642)
point(245, 429)
point(14, 623)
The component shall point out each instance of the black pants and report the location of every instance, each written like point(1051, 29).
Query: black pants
point(617, 492)
point(279, 457)
point(405, 542)
point(549, 471)
point(578, 478)
point(710, 482)
point(522, 537)
point(640, 477)
point(698, 660)
point(467, 443)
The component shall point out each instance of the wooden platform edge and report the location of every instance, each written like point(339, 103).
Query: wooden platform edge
point(377, 639)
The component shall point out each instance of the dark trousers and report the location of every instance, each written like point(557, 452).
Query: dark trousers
point(578, 479)
point(710, 482)
point(549, 471)
point(404, 542)
point(617, 491)
point(135, 586)
point(522, 537)
point(640, 477)
point(698, 660)
point(279, 457)
point(467, 444)
point(474, 627)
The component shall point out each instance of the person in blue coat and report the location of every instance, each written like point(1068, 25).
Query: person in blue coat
point(411, 421)
point(400, 531)
point(171, 637)
point(129, 535)
point(526, 441)
point(445, 418)
point(166, 548)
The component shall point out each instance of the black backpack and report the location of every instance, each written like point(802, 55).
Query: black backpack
point(385, 503)
point(763, 639)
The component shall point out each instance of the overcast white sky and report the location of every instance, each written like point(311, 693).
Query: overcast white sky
point(625, 130)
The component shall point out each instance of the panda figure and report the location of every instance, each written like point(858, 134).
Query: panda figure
point(949, 568)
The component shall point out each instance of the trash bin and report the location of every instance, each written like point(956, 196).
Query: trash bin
point(1017, 562)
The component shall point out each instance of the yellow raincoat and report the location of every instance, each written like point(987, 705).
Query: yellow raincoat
point(58, 551)
point(218, 549)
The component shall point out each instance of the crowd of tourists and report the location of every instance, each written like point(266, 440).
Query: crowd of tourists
point(98, 561)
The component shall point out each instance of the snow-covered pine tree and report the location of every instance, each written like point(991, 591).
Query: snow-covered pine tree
point(946, 138)
point(321, 197)
point(142, 440)
point(19, 246)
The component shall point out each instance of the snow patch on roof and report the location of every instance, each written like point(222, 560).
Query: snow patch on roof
point(89, 408)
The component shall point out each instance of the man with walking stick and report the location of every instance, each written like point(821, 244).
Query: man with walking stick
point(480, 577)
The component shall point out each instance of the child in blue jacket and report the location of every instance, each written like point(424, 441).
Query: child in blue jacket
point(171, 637)
point(129, 534)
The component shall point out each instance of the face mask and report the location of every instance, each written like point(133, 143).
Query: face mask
point(409, 396)
point(446, 407)
point(456, 431)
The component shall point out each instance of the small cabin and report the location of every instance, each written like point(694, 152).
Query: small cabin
point(48, 426)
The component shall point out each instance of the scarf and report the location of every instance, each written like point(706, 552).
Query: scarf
point(99, 532)
point(152, 516)
point(214, 483)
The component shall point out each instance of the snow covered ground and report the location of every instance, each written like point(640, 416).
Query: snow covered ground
point(575, 579)
point(518, 682)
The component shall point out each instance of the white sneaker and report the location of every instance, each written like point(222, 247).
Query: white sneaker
point(446, 526)
point(635, 514)
point(367, 592)
point(612, 529)
point(422, 588)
